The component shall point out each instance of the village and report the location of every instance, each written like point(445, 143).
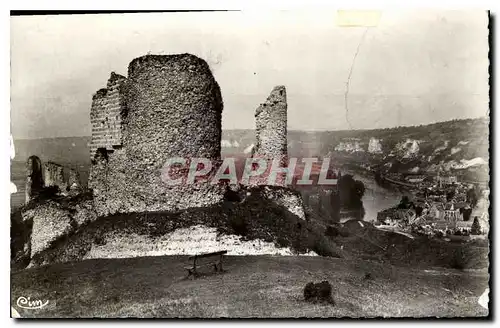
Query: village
point(438, 206)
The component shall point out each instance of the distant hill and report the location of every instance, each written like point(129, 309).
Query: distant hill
point(59, 150)
point(453, 142)
point(461, 145)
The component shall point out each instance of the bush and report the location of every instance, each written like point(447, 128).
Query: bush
point(476, 227)
point(458, 261)
point(322, 246)
point(239, 225)
point(351, 192)
point(466, 214)
point(320, 292)
point(332, 231)
point(344, 233)
point(232, 196)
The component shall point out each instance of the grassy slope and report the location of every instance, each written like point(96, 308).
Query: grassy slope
point(390, 247)
point(252, 286)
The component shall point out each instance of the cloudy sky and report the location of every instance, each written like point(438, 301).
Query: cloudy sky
point(414, 67)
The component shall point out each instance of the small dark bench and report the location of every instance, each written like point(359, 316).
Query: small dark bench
point(216, 264)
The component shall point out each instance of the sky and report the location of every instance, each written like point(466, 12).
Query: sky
point(414, 67)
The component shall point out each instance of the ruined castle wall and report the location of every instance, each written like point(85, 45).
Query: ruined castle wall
point(34, 178)
point(74, 181)
point(50, 221)
point(271, 125)
point(106, 115)
point(98, 174)
point(271, 134)
point(173, 108)
point(54, 176)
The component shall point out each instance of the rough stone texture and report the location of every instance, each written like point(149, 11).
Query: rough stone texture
point(85, 213)
point(175, 102)
point(43, 223)
point(271, 136)
point(34, 178)
point(54, 176)
point(106, 115)
point(271, 125)
point(271, 132)
point(256, 217)
point(98, 178)
point(291, 200)
point(50, 220)
point(173, 108)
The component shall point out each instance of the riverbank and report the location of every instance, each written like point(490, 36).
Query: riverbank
point(376, 198)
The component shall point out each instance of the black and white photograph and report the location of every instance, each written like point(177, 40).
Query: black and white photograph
point(250, 164)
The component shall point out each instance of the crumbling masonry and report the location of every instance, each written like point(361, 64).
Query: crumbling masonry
point(74, 182)
point(169, 106)
point(108, 106)
point(271, 132)
point(49, 176)
point(271, 136)
point(54, 176)
point(271, 122)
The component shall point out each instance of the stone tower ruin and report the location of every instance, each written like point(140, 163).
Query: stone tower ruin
point(271, 134)
point(271, 125)
point(174, 108)
point(106, 115)
point(168, 106)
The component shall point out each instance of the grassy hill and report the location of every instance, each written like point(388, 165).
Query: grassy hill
point(252, 286)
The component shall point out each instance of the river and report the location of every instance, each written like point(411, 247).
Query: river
point(377, 198)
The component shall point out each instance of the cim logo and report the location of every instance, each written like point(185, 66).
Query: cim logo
point(27, 303)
